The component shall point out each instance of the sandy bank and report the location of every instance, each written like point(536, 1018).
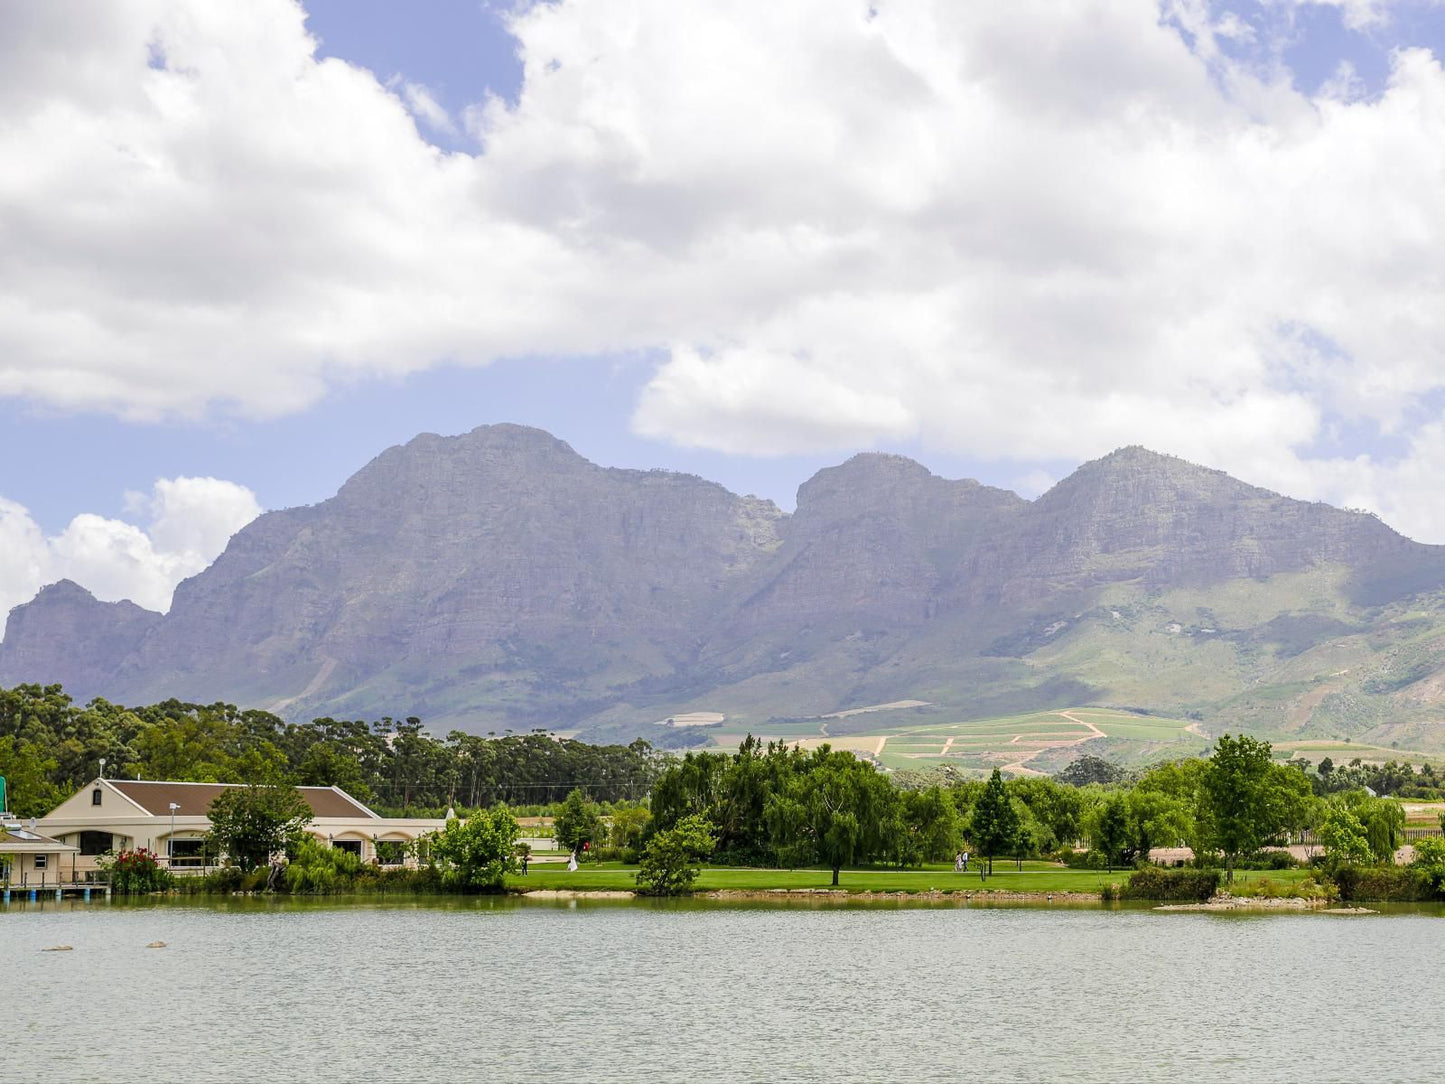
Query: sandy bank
point(577, 894)
point(1251, 903)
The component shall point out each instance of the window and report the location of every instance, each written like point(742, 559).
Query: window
point(390, 852)
point(95, 796)
point(93, 843)
point(352, 845)
point(188, 852)
point(40, 861)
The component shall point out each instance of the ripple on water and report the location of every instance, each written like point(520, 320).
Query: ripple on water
point(499, 990)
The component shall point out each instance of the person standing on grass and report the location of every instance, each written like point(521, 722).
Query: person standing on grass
point(572, 862)
point(965, 861)
point(958, 862)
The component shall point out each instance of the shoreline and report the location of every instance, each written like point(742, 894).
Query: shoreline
point(826, 895)
point(1259, 903)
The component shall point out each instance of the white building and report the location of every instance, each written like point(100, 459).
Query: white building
point(113, 815)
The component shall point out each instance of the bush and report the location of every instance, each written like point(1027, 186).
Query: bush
point(476, 854)
point(135, 873)
point(1381, 884)
point(1429, 863)
point(320, 870)
point(670, 859)
point(226, 880)
point(1266, 889)
point(1157, 883)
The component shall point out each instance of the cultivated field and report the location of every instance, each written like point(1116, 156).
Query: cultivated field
point(1036, 743)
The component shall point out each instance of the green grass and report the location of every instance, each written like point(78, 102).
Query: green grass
point(1035, 877)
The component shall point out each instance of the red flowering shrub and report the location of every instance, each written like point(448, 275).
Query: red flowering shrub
point(135, 872)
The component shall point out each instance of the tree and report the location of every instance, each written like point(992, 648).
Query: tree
point(670, 860)
point(1384, 823)
point(252, 823)
point(1246, 799)
point(1090, 769)
point(1429, 862)
point(995, 822)
point(475, 855)
point(1155, 820)
point(577, 822)
point(1109, 829)
point(1343, 836)
point(627, 830)
point(834, 809)
point(26, 770)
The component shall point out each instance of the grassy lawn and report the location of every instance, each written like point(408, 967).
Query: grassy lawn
point(1035, 877)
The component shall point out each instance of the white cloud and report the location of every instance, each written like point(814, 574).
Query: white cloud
point(1030, 231)
point(424, 107)
point(190, 520)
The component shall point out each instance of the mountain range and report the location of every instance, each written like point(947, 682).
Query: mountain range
point(498, 580)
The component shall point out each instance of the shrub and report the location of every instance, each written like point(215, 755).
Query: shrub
point(1381, 884)
point(1156, 883)
point(135, 873)
point(1266, 889)
point(670, 860)
point(476, 854)
point(1429, 863)
point(319, 870)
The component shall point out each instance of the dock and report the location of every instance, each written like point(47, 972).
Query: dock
point(32, 893)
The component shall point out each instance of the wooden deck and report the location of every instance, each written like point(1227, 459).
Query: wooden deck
point(21, 893)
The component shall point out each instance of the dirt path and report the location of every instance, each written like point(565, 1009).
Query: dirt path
point(1021, 765)
point(882, 741)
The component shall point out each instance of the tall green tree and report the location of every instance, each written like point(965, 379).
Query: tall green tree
point(252, 823)
point(1109, 830)
point(1343, 836)
point(835, 808)
point(995, 825)
point(1246, 799)
point(27, 771)
point(577, 823)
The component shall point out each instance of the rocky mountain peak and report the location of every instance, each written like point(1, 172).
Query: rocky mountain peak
point(497, 578)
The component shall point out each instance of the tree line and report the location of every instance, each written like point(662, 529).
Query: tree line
point(778, 806)
point(50, 747)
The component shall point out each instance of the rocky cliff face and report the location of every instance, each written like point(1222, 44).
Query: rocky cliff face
point(498, 578)
point(66, 636)
point(1138, 515)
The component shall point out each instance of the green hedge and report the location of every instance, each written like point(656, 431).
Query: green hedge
point(1381, 884)
point(1156, 883)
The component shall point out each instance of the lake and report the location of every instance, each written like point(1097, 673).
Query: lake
point(503, 989)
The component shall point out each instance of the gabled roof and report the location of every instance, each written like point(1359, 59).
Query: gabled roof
point(194, 799)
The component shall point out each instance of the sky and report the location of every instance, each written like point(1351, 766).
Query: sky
point(245, 245)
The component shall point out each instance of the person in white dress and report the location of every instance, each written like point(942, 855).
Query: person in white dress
point(572, 862)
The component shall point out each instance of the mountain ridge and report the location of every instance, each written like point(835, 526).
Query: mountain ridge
point(497, 578)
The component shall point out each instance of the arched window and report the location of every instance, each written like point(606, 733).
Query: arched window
point(95, 796)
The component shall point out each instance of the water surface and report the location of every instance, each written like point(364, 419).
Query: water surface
point(503, 990)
